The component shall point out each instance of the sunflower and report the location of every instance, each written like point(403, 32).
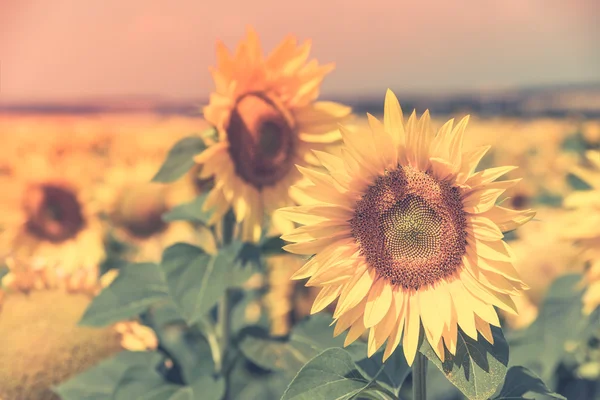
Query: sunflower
point(267, 120)
point(541, 254)
point(46, 213)
point(135, 207)
point(279, 299)
point(406, 236)
point(536, 147)
point(584, 226)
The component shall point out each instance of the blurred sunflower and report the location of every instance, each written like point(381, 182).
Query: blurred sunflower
point(46, 213)
point(135, 207)
point(279, 299)
point(591, 133)
point(541, 255)
point(265, 112)
point(584, 226)
point(536, 147)
point(406, 235)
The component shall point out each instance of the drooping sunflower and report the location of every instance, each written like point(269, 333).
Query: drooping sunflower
point(405, 234)
point(267, 118)
point(584, 226)
point(47, 216)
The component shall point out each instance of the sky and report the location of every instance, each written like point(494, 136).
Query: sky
point(72, 49)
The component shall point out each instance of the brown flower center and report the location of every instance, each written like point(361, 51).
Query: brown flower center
point(140, 210)
point(53, 212)
point(411, 228)
point(261, 140)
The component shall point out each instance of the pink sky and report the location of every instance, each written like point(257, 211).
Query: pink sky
point(67, 49)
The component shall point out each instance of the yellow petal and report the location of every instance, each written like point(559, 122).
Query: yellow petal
point(507, 219)
point(461, 300)
point(485, 329)
point(393, 120)
point(383, 143)
point(441, 142)
point(336, 273)
point(470, 160)
point(312, 247)
point(483, 228)
point(423, 141)
point(212, 151)
point(311, 214)
point(378, 302)
point(349, 318)
point(430, 300)
point(361, 147)
point(455, 156)
point(355, 332)
point(325, 297)
point(488, 175)
point(497, 251)
point(354, 291)
point(481, 200)
point(412, 325)
point(316, 231)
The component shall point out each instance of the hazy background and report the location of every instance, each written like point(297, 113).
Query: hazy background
point(64, 50)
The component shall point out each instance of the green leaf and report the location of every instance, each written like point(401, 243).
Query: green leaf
point(394, 372)
point(180, 159)
point(184, 393)
point(136, 288)
point(99, 382)
point(308, 339)
point(3, 271)
point(248, 383)
point(520, 381)
point(189, 350)
point(197, 280)
point(478, 366)
point(144, 383)
point(541, 346)
point(191, 211)
point(272, 245)
point(330, 375)
point(208, 388)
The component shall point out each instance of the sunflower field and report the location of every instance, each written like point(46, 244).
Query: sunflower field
point(279, 246)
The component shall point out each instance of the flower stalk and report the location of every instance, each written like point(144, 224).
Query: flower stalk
point(419, 372)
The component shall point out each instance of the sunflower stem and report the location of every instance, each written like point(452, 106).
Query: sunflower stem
point(419, 379)
point(223, 319)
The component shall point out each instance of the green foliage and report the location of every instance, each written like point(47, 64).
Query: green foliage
point(330, 375)
point(117, 252)
point(477, 368)
point(179, 299)
point(308, 339)
point(272, 245)
point(101, 381)
point(180, 159)
point(136, 288)
point(519, 382)
point(3, 271)
point(197, 280)
point(389, 375)
point(142, 382)
point(542, 346)
point(191, 211)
